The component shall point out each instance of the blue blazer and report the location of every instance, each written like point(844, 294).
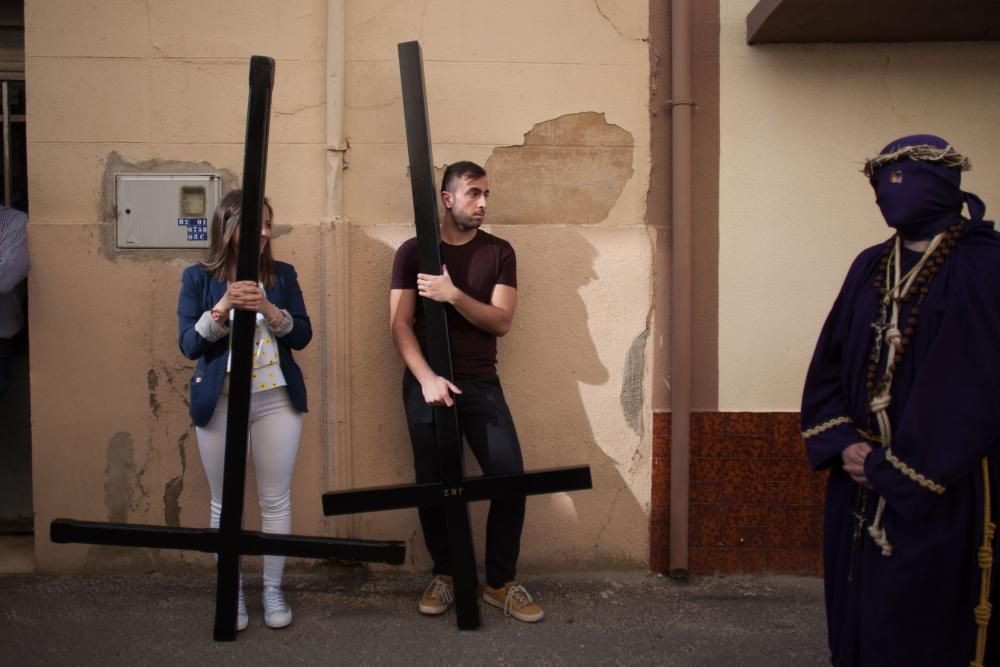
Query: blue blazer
point(199, 292)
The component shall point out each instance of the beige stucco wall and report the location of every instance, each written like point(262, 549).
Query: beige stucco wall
point(137, 83)
point(797, 122)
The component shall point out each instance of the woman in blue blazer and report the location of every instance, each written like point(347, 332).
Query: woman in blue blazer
point(208, 298)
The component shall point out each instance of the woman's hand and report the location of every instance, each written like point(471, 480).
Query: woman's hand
point(247, 295)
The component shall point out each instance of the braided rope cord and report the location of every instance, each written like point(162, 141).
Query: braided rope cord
point(825, 426)
point(880, 404)
point(983, 610)
point(868, 435)
point(915, 476)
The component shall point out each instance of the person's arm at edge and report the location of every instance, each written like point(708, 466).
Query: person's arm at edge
point(14, 261)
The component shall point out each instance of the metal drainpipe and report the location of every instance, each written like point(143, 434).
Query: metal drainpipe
point(334, 296)
point(336, 145)
point(680, 274)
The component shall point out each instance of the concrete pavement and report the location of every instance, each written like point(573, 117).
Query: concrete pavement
point(349, 616)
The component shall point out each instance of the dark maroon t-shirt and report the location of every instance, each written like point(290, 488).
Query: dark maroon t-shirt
point(475, 268)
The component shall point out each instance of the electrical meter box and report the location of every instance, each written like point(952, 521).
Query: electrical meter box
point(165, 210)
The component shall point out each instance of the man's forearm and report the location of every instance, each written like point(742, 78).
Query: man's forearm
point(485, 316)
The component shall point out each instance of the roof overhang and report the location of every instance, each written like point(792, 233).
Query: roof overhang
point(812, 21)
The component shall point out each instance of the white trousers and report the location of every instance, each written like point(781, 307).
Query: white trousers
point(274, 440)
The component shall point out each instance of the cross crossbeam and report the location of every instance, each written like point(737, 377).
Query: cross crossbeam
point(467, 490)
point(454, 491)
point(208, 540)
point(230, 541)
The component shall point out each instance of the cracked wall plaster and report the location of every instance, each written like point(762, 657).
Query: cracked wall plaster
point(152, 381)
point(618, 18)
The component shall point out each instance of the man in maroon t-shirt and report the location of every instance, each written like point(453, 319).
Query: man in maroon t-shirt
point(478, 284)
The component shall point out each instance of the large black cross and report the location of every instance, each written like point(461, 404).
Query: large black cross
point(229, 541)
point(453, 491)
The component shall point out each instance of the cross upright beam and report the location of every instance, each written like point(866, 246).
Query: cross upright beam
point(454, 491)
point(230, 541)
point(449, 439)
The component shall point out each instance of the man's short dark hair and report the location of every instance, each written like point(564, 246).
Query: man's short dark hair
point(459, 170)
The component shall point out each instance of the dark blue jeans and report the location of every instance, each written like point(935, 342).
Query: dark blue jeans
point(485, 421)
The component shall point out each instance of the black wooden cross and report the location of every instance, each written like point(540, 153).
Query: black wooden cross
point(453, 491)
point(229, 541)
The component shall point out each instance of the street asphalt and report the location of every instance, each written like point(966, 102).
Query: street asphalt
point(349, 616)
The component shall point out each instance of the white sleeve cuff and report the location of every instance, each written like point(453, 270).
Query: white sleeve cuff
point(286, 325)
point(209, 329)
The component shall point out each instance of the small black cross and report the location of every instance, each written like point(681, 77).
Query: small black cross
point(229, 541)
point(453, 491)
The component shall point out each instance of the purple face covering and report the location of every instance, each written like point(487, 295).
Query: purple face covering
point(920, 197)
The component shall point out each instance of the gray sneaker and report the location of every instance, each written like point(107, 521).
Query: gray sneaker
point(277, 614)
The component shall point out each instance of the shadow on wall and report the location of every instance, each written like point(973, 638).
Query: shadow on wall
point(547, 361)
point(543, 362)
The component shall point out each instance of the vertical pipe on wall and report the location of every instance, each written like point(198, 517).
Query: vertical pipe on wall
point(680, 273)
point(335, 283)
point(336, 145)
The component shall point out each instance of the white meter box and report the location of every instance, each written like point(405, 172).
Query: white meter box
point(165, 210)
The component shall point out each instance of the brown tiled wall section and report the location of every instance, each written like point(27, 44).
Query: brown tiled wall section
point(755, 505)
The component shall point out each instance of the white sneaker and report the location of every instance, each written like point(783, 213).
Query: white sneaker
point(277, 614)
point(242, 617)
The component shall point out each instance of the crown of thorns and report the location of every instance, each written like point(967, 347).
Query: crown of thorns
point(947, 156)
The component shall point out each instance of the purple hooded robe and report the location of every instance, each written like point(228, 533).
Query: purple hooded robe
point(914, 607)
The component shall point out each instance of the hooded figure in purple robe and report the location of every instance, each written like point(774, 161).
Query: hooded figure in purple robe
point(902, 407)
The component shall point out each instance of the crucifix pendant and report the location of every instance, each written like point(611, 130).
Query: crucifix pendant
point(880, 326)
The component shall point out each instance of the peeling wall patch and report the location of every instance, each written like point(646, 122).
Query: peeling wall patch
point(119, 472)
point(632, 394)
point(570, 170)
point(174, 487)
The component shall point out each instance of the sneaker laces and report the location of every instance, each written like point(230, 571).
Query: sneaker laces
point(516, 594)
point(274, 601)
point(439, 590)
